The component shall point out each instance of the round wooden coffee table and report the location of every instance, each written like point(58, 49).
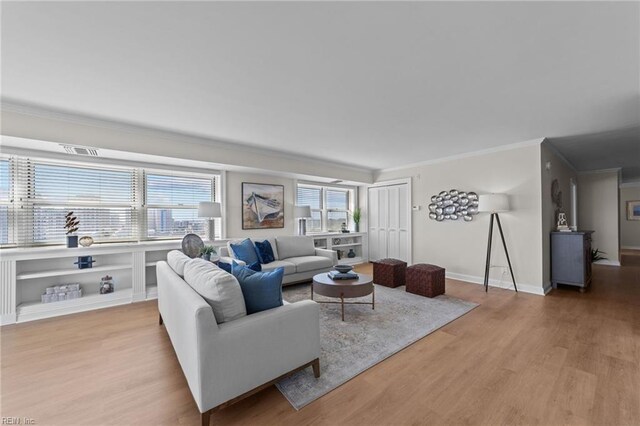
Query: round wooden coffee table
point(344, 289)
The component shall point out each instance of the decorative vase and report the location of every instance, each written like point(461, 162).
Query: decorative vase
point(357, 227)
point(351, 253)
point(72, 241)
point(85, 241)
point(207, 257)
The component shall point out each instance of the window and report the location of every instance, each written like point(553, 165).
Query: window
point(330, 206)
point(5, 201)
point(112, 203)
point(172, 204)
point(102, 199)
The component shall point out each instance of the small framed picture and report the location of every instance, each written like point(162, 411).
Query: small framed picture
point(633, 210)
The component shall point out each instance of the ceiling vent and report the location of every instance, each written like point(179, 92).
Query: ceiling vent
point(80, 150)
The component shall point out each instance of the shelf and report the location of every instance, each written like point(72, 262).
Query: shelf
point(346, 245)
point(63, 272)
point(36, 310)
point(351, 260)
point(154, 263)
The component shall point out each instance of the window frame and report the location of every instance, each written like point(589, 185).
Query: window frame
point(209, 230)
point(324, 210)
point(21, 231)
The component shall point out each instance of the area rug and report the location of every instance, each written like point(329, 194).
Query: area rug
point(367, 336)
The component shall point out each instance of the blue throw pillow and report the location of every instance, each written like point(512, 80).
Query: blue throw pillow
point(265, 252)
point(255, 266)
point(225, 266)
point(245, 251)
point(261, 290)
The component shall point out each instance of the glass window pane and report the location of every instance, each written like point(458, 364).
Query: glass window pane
point(166, 223)
point(335, 220)
point(337, 199)
point(4, 180)
point(315, 223)
point(100, 223)
point(67, 185)
point(165, 190)
point(309, 197)
point(4, 225)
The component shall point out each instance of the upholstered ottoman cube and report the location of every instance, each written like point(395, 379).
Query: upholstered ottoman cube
point(389, 272)
point(425, 280)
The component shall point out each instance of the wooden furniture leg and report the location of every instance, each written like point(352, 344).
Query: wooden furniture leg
point(206, 418)
point(160, 322)
point(316, 367)
point(342, 304)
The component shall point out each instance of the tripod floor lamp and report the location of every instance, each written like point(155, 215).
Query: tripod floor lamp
point(494, 204)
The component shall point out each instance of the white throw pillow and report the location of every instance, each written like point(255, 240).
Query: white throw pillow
point(220, 289)
point(177, 260)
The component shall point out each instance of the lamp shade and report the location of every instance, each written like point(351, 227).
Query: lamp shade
point(493, 203)
point(302, 212)
point(209, 209)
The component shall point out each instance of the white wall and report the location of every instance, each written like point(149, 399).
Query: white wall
point(598, 203)
point(233, 190)
point(459, 246)
point(564, 173)
point(629, 229)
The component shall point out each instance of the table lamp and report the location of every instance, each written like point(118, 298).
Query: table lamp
point(302, 213)
point(209, 210)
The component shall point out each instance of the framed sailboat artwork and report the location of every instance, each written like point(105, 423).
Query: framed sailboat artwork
point(262, 206)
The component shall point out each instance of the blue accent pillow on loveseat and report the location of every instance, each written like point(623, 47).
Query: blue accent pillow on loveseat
point(265, 252)
point(261, 290)
point(245, 251)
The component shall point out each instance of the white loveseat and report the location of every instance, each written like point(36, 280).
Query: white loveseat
point(226, 362)
point(298, 256)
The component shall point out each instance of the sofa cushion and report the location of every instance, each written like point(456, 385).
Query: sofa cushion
point(261, 290)
point(265, 251)
point(310, 263)
point(220, 289)
point(274, 246)
point(177, 260)
point(295, 246)
point(245, 251)
point(289, 268)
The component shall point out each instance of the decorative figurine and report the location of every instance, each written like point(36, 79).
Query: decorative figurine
point(106, 285)
point(84, 262)
point(85, 241)
point(71, 224)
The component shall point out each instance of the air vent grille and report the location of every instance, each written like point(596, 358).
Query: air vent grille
point(81, 150)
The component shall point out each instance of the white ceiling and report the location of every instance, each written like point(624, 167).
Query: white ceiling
point(378, 84)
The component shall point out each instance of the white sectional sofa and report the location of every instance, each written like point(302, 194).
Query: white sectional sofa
point(296, 254)
point(225, 362)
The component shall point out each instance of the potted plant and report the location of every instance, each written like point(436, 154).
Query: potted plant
point(596, 255)
point(356, 218)
point(71, 224)
point(206, 252)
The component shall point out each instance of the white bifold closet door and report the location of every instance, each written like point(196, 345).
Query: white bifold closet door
point(389, 222)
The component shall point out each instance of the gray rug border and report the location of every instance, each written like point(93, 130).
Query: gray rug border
point(383, 359)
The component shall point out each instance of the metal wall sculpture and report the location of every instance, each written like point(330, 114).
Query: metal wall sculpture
point(453, 205)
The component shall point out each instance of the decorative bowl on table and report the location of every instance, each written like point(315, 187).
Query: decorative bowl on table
point(343, 269)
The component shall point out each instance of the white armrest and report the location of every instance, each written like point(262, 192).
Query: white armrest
point(230, 260)
point(258, 348)
point(331, 254)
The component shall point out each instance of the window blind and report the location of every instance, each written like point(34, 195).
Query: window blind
point(6, 207)
point(103, 200)
point(311, 196)
point(172, 205)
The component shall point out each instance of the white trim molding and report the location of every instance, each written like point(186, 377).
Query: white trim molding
point(505, 285)
point(607, 262)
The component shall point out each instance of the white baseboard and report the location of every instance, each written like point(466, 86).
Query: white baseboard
point(630, 247)
point(607, 262)
point(507, 285)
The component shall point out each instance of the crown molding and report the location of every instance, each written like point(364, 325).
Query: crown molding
point(590, 172)
point(10, 105)
point(546, 142)
point(478, 153)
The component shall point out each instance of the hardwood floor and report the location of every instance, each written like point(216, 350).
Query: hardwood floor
point(567, 358)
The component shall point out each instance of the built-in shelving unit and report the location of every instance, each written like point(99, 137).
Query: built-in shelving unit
point(344, 243)
point(26, 272)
